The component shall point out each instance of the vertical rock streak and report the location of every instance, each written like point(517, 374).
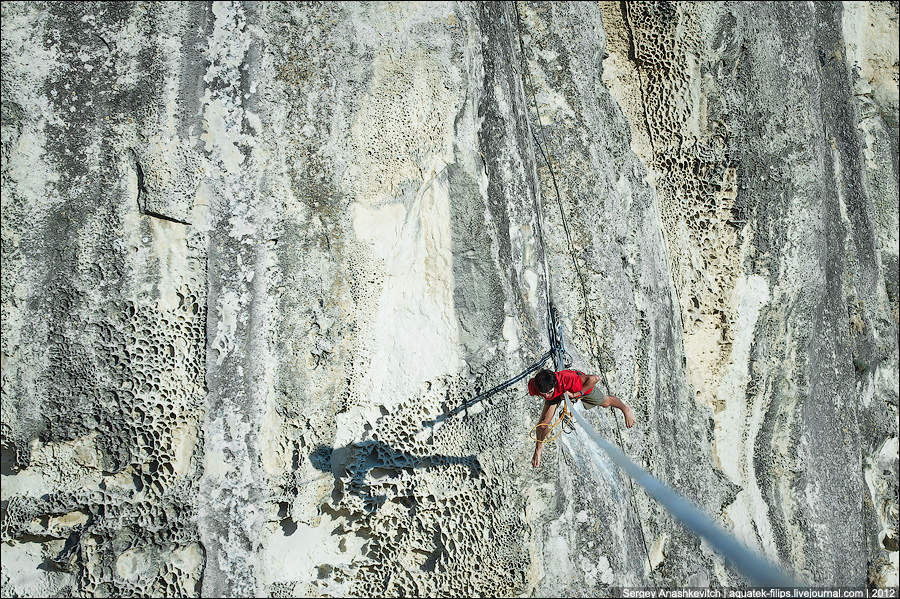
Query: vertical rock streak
point(232, 488)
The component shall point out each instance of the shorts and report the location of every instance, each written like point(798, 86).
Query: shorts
point(594, 398)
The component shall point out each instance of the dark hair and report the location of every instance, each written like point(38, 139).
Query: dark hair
point(545, 381)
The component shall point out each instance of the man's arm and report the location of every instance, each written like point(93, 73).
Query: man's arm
point(588, 381)
point(546, 418)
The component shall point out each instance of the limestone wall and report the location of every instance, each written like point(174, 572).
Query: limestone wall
point(254, 253)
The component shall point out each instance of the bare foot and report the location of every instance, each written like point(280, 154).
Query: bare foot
point(629, 416)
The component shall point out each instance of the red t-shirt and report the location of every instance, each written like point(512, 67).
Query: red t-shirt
point(566, 380)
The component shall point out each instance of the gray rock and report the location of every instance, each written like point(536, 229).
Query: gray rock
point(256, 255)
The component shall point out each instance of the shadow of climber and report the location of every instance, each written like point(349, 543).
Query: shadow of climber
point(371, 470)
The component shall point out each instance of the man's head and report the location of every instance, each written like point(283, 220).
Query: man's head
point(545, 383)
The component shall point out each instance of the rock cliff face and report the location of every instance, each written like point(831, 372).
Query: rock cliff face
point(250, 249)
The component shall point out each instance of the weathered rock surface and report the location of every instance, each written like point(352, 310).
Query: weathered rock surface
point(248, 249)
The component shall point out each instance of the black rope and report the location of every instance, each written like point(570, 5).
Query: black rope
point(492, 391)
point(588, 313)
point(509, 382)
point(557, 350)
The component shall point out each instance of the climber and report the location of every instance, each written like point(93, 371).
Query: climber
point(551, 386)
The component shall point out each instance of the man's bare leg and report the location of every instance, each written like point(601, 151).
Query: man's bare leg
point(612, 401)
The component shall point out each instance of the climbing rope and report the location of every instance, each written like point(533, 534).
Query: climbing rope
point(493, 390)
point(508, 382)
point(758, 569)
point(565, 419)
point(755, 567)
point(588, 313)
